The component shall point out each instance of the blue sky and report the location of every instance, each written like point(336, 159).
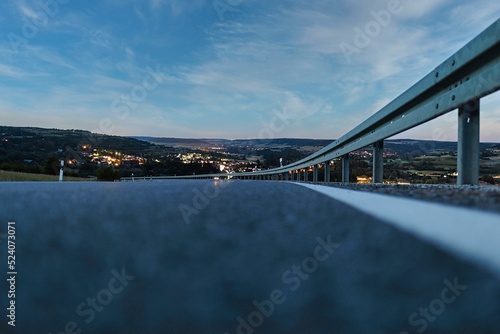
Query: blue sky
point(227, 68)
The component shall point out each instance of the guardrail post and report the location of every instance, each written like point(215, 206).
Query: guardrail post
point(378, 162)
point(327, 171)
point(315, 173)
point(345, 168)
point(468, 143)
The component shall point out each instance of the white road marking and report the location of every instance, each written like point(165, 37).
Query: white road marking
point(469, 233)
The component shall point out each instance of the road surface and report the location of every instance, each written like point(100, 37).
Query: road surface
point(226, 257)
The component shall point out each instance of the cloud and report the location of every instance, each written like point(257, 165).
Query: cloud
point(178, 7)
point(422, 8)
point(230, 77)
point(28, 12)
point(11, 71)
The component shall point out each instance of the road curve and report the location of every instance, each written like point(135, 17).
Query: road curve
point(226, 257)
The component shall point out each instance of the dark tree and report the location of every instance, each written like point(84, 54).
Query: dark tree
point(52, 166)
point(107, 174)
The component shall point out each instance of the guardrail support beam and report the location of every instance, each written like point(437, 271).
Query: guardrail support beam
point(345, 168)
point(315, 173)
point(468, 143)
point(327, 171)
point(378, 162)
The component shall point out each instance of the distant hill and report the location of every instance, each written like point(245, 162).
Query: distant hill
point(39, 150)
point(263, 143)
point(30, 142)
point(400, 146)
point(28, 149)
point(175, 142)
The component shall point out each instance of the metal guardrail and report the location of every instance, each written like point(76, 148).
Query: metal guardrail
point(458, 83)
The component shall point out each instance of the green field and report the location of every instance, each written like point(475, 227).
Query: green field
point(15, 176)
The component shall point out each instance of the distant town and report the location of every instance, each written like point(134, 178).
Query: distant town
point(94, 156)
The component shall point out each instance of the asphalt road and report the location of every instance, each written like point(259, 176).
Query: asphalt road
point(225, 257)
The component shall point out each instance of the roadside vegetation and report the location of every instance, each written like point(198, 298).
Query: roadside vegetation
point(7, 176)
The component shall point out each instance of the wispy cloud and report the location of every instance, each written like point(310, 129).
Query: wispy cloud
point(178, 7)
point(28, 12)
point(227, 78)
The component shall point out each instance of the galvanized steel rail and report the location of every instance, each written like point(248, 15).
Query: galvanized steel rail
point(458, 83)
